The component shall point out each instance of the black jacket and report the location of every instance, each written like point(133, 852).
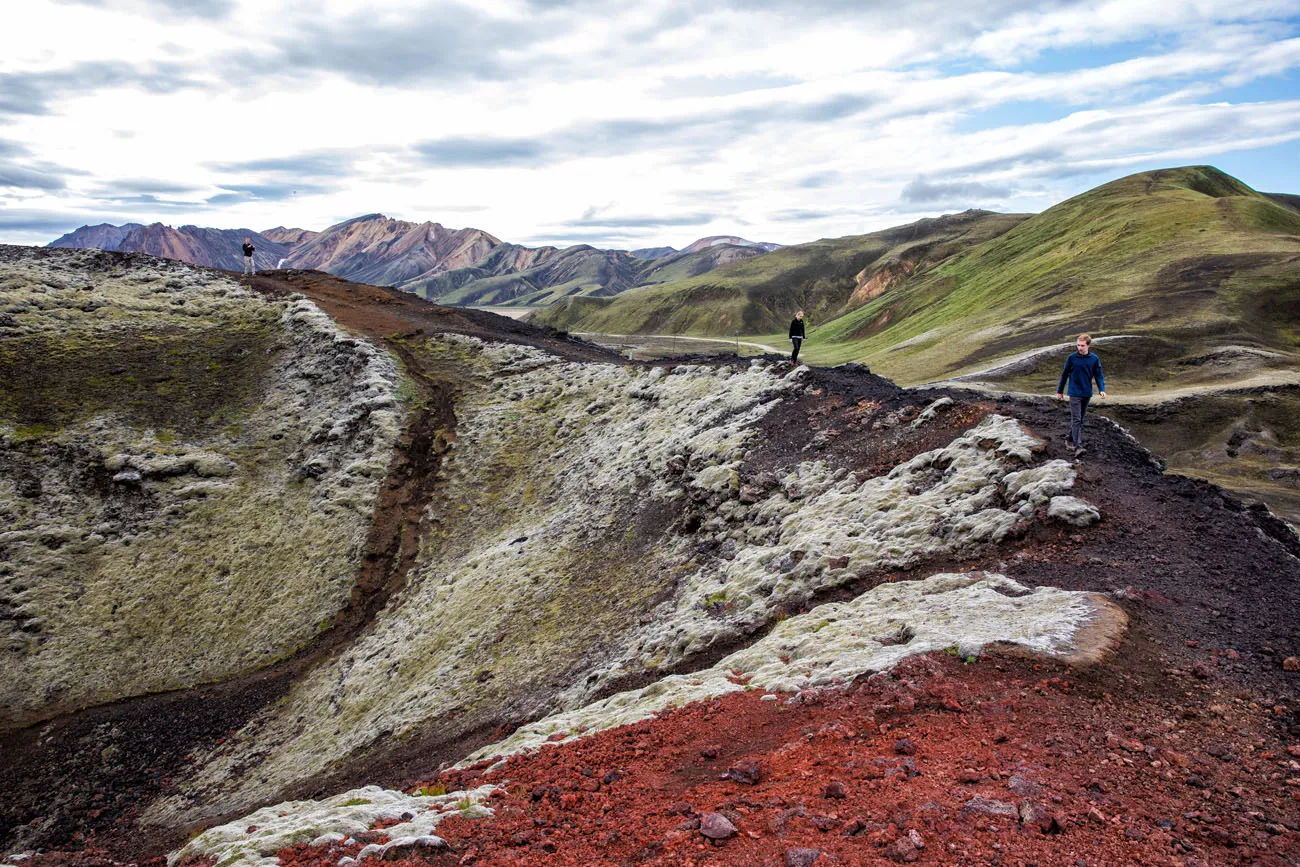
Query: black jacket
point(248, 249)
point(796, 328)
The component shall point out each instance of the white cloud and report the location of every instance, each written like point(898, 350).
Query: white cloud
point(521, 116)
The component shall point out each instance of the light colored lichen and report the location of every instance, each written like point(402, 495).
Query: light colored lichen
point(837, 642)
point(1073, 511)
point(824, 527)
point(253, 840)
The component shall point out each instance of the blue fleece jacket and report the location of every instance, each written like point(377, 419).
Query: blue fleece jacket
point(1080, 370)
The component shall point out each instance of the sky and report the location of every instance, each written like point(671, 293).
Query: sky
point(625, 124)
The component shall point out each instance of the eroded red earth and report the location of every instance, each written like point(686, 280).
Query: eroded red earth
point(997, 761)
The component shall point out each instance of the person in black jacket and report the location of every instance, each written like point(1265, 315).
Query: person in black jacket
point(796, 336)
point(248, 256)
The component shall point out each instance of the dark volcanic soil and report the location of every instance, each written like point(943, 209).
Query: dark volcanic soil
point(1174, 753)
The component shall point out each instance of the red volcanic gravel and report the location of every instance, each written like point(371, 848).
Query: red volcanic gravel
point(1003, 761)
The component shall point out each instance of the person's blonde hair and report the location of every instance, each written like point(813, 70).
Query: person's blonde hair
point(1086, 338)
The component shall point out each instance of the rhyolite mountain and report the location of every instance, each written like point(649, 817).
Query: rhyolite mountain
point(518, 276)
point(453, 266)
point(289, 237)
point(212, 248)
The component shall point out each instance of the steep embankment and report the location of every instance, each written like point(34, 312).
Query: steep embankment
point(760, 296)
point(985, 757)
point(190, 472)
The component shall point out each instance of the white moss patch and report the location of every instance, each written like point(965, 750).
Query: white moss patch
point(148, 558)
point(825, 527)
point(254, 839)
point(834, 643)
point(1073, 511)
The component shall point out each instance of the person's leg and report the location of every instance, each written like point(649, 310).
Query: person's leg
point(794, 353)
point(1078, 409)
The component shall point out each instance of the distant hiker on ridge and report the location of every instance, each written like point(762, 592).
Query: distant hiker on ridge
point(796, 336)
point(1081, 368)
point(248, 256)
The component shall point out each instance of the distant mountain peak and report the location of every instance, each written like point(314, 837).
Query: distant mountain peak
point(733, 240)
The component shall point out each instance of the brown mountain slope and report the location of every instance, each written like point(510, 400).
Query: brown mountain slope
point(378, 250)
point(211, 248)
point(291, 237)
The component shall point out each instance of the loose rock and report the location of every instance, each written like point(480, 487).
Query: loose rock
point(716, 826)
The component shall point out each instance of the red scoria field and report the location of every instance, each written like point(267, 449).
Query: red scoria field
point(1181, 748)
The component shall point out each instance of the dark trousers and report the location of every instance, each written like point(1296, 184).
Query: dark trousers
point(794, 354)
point(1078, 408)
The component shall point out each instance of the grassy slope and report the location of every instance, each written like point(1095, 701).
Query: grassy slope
point(761, 294)
point(1179, 255)
point(1201, 272)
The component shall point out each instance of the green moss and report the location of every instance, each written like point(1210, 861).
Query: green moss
point(172, 380)
point(28, 432)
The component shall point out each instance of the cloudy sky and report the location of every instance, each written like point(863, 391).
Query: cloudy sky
point(625, 124)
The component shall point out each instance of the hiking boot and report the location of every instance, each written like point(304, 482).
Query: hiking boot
point(1080, 452)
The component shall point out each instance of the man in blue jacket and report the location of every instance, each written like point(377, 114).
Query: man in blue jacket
point(1081, 368)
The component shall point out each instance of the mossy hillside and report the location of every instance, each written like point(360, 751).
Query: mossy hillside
point(760, 295)
point(548, 576)
point(1182, 254)
point(168, 532)
point(545, 548)
point(824, 527)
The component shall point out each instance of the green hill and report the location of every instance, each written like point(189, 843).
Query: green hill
point(1177, 255)
point(823, 278)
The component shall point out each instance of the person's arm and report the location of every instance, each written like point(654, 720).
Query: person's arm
point(1065, 373)
point(1101, 380)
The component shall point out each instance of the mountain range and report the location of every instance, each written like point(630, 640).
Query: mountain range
point(455, 266)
